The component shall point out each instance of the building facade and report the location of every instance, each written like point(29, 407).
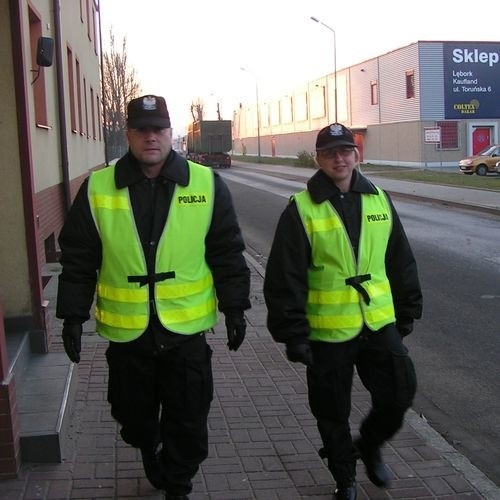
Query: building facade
point(428, 104)
point(51, 137)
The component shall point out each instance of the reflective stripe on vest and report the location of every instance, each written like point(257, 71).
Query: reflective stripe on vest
point(337, 311)
point(185, 297)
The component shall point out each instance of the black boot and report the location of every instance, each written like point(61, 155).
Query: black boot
point(345, 492)
point(152, 468)
point(376, 470)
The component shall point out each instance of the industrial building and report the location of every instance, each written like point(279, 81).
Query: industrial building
point(428, 104)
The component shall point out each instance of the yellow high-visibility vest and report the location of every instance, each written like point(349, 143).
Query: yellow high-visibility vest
point(337, 310)
point(184, 291)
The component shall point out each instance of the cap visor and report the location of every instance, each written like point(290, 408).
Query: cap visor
point(150, 121)
point(334, 144)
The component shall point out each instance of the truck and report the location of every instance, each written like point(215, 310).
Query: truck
point(209, 143)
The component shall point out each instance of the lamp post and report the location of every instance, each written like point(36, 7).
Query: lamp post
point(316, 20)
point(258, 111)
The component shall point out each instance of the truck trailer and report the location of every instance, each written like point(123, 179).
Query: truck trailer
point(209, 141)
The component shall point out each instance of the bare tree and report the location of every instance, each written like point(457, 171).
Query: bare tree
point(119, 87)
point(197, 109)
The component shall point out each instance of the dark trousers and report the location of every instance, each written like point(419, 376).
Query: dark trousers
point(387, 372)
point(164, 398)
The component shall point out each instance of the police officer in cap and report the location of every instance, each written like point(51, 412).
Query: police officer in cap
point(156, 236)
point(342, 290)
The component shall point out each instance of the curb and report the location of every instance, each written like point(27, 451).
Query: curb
point(478, 479)
point(455, 204)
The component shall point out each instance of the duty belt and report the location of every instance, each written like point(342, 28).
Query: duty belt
point(355, 282)
point(151, 278)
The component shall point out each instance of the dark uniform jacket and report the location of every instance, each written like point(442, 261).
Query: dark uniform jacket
point(150, 198)
point(286, 280)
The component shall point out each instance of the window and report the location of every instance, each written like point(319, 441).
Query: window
point(317, 102)
point(89, 20)
point(79, 97)
point(264, 115)
point(287, 110)
point(300, 110)
point(374, 92)
point(449, 135)
point(99, 117)
point(410, 84)
point(274, 112)
point(51, 254)
point(71, 84)
point(86, 107)
point(92, 112)
point(38, 82)
point(94, 26)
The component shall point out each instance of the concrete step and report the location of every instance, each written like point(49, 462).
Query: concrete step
point(45, 388)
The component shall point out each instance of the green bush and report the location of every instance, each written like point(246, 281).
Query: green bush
point(305, 159)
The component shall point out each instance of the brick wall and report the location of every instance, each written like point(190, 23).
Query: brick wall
point(51, 212)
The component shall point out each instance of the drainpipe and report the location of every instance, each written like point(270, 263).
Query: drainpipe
point(61, 105)
point(379, 91)
point(350, 96)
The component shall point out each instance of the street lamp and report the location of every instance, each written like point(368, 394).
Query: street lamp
point(316, 20)
point(258, 111)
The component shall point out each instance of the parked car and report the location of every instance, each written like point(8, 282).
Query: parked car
point(482, 163)
point(497, 167)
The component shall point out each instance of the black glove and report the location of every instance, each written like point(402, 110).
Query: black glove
point(404, 327)
point(299, 350)
point(72, 339)
point(236, 328)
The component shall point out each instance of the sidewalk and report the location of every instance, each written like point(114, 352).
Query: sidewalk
point(263, 440)
point(479, 199)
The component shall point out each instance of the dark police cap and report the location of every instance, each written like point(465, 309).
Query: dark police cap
point(334, 135)
point(148, 111)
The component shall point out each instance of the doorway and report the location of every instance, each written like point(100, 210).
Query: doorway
point(481, 139)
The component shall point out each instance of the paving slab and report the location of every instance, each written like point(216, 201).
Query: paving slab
point(263, 440)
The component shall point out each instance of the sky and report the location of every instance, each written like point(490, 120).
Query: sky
point(194, 50)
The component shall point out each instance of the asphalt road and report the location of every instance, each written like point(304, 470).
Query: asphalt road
point(456, 345)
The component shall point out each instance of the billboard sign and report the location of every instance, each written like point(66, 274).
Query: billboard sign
point(471, 80)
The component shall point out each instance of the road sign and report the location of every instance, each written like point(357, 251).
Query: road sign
point(432, 135)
